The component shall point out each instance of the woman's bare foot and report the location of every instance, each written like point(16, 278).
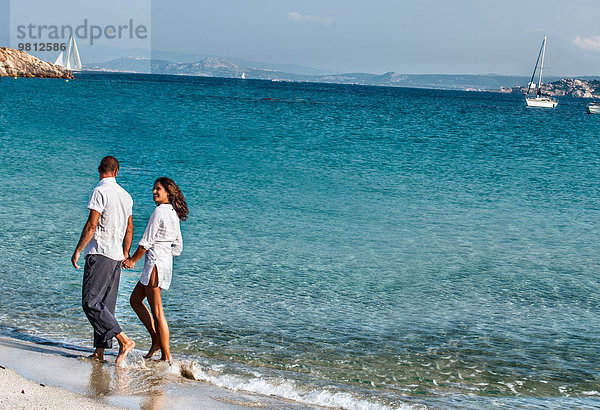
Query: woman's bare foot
point(153, 350)
point(170, 361)
point(126, 345)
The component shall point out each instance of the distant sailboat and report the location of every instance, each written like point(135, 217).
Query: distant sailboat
point(539, 100)
point(243, 76)
point(70, 60)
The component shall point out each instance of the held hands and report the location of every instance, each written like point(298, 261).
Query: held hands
point(128, 263)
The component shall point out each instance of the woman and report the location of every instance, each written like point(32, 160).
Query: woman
point(161, 241)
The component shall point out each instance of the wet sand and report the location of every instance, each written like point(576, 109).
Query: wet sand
point(36, 376)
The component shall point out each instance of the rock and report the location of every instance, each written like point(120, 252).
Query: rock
point(17, 63)
point(573, 87)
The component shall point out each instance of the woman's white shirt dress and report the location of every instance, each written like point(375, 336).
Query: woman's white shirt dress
point(162, 240)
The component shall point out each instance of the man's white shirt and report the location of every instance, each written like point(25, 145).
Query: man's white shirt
point(115, 207)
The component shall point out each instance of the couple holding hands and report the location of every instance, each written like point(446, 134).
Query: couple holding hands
point(106, 241)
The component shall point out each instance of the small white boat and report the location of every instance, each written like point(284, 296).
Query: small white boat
point(70, 60)
point(593, 107)
point(539, 100)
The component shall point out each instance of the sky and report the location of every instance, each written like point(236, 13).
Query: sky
point(378, 36)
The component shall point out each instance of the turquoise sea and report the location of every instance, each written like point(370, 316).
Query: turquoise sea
point(347, 246)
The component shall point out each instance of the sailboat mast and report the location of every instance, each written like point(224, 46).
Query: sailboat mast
point(537, 62)
point(542, 66)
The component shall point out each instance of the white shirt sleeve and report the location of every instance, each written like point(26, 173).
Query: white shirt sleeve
point(130, 207)
point(151, 231)
point(177, 245)
point(96, 202)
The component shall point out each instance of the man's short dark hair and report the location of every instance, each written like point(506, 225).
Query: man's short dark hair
point(108, 165)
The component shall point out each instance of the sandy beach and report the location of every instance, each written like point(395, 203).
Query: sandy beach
point(19, 393)
point(39, 376)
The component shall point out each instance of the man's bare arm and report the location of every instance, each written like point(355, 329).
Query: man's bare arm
point(86, 235)
point(128, 238)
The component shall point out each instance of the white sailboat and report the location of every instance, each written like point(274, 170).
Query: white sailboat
point(539, 100)
point(243, 76)
point(70, 60)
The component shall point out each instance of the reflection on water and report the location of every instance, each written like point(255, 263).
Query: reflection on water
point(100, 379)
point(136, 377)
point(153, 401)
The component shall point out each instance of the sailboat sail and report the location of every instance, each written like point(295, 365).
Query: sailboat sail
point(70, 60)
point(60, 59)
point(67, 64)
point(74, 60)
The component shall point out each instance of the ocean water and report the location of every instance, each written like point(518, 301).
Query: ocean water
point(347, 246)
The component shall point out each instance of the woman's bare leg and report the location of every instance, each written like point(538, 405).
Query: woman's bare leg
point(153, 293)
point(136, 300)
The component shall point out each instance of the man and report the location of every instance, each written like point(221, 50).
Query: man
point(106, 237)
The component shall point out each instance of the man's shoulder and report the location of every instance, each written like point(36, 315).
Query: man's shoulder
point(114, 190)
point(96, 190)
point(120, 190)
point(125, 195)
point(123, 191)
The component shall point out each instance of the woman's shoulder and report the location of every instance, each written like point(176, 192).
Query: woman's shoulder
point(164, 210)
point(165, 207)
point(160, 211)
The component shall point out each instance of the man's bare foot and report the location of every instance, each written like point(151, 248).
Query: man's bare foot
point(125, 346)
point(96, 358)
point(97, 355)
point(153, 350)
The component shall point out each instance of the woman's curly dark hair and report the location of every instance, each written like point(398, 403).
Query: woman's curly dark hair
point(176, 198)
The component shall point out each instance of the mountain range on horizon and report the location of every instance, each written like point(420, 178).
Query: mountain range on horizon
point(287, 68)
point(221, 67)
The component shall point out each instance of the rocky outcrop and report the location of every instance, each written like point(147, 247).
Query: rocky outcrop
point(567, 86)
point(17, 63)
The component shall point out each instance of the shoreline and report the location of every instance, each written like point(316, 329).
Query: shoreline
point(58, 377)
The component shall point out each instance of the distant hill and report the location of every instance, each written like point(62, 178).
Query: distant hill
point(259, 65)
point(221, 67)
point(125, 65)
